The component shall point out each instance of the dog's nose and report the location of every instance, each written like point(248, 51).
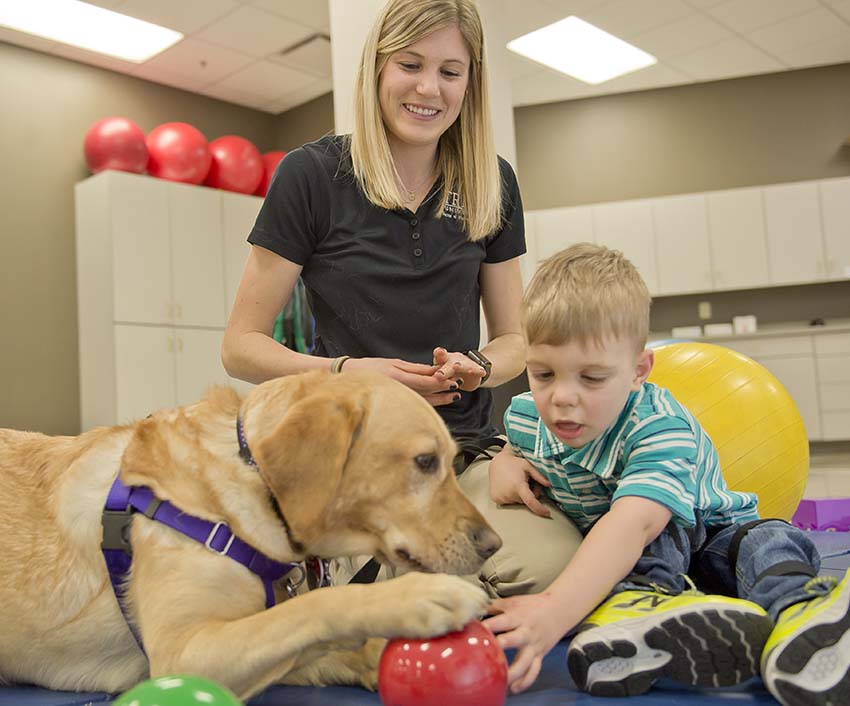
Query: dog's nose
point(486, 541)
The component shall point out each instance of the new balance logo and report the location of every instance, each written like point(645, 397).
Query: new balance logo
point(646, 603)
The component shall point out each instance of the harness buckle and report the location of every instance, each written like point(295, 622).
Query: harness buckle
point(213, 531)
point(116, 529)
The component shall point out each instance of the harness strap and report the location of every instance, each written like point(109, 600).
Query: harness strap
point(123, 501)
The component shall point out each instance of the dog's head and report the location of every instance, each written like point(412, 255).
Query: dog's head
point(360, 464)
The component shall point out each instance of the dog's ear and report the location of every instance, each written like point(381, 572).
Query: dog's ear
point(303, 458)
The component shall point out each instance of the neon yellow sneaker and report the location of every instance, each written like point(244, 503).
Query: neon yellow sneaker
point(807, 657)
point(636, 637)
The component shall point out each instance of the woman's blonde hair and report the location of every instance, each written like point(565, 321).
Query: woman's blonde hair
point(466, 156)
point(586, 293)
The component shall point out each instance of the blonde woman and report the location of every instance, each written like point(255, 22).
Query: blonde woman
point(400, 231)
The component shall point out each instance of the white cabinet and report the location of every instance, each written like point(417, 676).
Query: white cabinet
point(627, 226)
point(835, 209)
point(153, 268)
point(681, 242)
point(833, 361)
point(558, 228)
point(795, 243)
point(737, 238)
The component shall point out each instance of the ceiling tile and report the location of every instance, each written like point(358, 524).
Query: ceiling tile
point(313, 57)
point(799, 31)
point(654, 76)
point(523, 17)
point(313, 13)
point(835, 50)
point(702, 4)
point(681, 36)
point(842, 7)
point(266, 80)
point(254, 31)
point(185, 16)
point(731, 57)
point(304, 95)
point(166, 78)
point(746, 15)
point(518, 66)
point(235, 96)
point(627, 18)
point(202, 62)
point(572, 7)
point(547, 86)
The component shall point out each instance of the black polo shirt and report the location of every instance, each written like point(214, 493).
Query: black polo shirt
point(389, 284)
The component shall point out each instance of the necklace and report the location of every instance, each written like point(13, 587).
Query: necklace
point(410, 194)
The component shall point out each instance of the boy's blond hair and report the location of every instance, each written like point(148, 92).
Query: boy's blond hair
point(586, 293)
point(466, 157)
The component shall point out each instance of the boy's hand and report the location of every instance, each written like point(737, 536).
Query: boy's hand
point(513, 480)
point(529, 624)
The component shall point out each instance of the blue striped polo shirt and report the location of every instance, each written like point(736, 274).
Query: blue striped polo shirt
point(655, 450)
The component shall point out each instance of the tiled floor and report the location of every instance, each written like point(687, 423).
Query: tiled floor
point(829, 471)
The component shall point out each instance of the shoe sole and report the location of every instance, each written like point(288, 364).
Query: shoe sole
point(710, 646)
point(812, 669)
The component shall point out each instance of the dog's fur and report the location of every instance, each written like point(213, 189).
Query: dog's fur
point(348, 464)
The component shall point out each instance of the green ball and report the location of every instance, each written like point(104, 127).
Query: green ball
point(178, 690)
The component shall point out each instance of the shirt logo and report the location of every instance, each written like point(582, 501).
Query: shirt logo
point(454, 207)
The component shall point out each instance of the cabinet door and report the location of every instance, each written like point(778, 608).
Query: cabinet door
point(737, 238)
point(835, 207)
point(141, 254)
point(197, 257)
point(794, 235)
point(681, 239)
point(627, 226)
point(797, 375)
point(558, 228)
point(144, 370)
point(198, 363)
point(238, 213)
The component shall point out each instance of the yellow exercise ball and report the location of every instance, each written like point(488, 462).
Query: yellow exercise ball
point(753, 421)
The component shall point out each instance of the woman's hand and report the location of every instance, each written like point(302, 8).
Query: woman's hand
point(457, 367)
point(419, 377)
point(529, 624)
point(514, 480)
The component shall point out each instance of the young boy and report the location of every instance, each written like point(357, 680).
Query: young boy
point(640, 478)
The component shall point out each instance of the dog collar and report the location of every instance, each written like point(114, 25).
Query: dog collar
point(244, 451)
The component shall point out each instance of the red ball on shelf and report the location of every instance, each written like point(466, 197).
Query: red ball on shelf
point(270, 162)
point(115, 143)
point(178, 152)
point(463, 667)
point(236, 165)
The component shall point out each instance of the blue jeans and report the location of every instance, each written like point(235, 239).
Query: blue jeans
point(767, 562)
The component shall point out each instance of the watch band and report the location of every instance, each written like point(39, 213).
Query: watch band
point(482, 360)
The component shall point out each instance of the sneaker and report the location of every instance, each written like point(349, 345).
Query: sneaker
point(807, 656)
point(636, 637)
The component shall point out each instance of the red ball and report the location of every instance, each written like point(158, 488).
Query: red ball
point(270, 162)
point(236, 165)
point(115, 143)
point(464, 667)
point(178, 152)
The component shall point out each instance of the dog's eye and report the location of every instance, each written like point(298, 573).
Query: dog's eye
point(427, 462)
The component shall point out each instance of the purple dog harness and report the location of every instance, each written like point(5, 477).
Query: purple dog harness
point(124, 501)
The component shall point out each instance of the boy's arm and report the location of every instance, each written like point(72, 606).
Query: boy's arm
point(535, 623)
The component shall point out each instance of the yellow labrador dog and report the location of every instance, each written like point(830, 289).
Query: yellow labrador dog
point(344, 465)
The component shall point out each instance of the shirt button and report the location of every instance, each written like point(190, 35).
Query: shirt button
point(418, 252)
point(414, 222)
point(415, 236)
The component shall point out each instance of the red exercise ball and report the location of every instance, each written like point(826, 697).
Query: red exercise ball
point(178, 152)
point(463, 667)
point(115, 143)
point(236, 165)
point(270, 162)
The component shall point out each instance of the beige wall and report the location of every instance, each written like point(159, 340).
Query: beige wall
point(756, 130)
point(47, 105)
point(305, 123)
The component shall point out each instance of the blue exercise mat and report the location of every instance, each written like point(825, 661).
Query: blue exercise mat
point(554, 687)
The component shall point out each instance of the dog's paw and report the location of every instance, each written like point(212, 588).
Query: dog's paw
point(425, 605)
